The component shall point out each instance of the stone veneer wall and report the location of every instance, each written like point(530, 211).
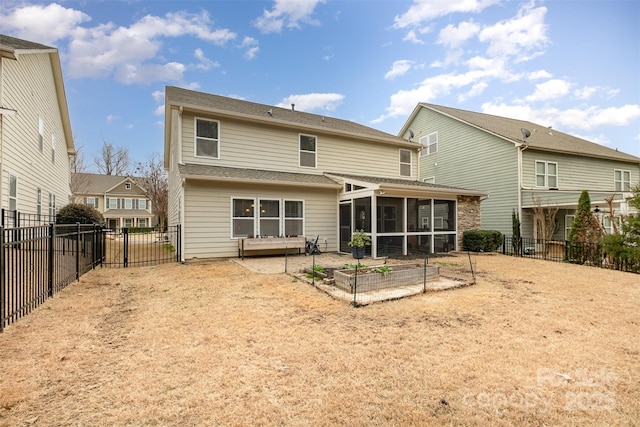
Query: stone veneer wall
point(468, 215)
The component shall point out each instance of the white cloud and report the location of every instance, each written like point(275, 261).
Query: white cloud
point(251, 46)
point(524, 33)
point(43, 24)
point(551, 89)
point(205, 63)
point(112, 118)
point(539, 74)
point(287, 13)
point(422, 11)
point(579, 118)
point(158, 95)
point(313, 101)
point(412, 37)
point(453, 37)
point(159, 111)
point(398, 68)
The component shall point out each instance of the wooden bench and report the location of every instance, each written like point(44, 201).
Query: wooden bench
point(271, 245)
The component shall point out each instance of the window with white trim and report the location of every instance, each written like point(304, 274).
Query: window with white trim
point(429, 144)
point(38, 202)
point(53, 148)
point(308, 151)
point(242, 218)
point(128, 203)
point(52, 206)
point(142, 203)
point(127, 186)
point(621, 180)
point(91, 201)
point(546, 174)
point(40, 133)
point(293, 218)
point(142, 222)
point(405, 162)
point(568, 220)
point(112, 203)
point(207, 134)
point(269, 225)
point(13, 192)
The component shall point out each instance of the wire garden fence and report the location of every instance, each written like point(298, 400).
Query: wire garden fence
point(365, 281)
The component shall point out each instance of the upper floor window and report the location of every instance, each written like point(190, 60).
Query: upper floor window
point(622, 180)
point(112, 203)
point(429, 144)
point(52, 205)
point(13, 192)
point(546, 174)
point(38, 202)
point(91, 201)
point(40, 133)
point(308, 151)
point(207, 139)
point(405, 162)
point(128, 203)
point(53, 148)
point(127, 186)
point(142, 203)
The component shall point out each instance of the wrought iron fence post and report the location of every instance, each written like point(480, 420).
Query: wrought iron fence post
point(52, 231)
point(77, 251)
point(2, 275)
point(125, 239)
point(424, 280)
point(178, 242)
point(355, 285)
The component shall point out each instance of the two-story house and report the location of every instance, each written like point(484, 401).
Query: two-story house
point(35, 133)
point(240, 169)
point(121, 199)
point(522, 166)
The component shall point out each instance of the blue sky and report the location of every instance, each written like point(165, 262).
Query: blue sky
point(573, 65)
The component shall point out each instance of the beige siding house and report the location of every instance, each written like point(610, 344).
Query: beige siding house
point(121, 199)
point(522, 166)
point(35, 131)
point(241, 170)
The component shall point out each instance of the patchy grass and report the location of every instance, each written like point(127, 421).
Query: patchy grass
point(533, 343)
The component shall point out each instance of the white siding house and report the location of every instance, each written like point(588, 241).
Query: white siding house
point(35, 131)
point(242, 170)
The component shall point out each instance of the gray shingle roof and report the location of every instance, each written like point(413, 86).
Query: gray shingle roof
point(15, 43)
point(398, 182)
point(540, 139)
point(90, 183)
point(278, 116)
point(257, 175)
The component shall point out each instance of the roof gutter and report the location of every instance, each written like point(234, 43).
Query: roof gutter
point(258, 181)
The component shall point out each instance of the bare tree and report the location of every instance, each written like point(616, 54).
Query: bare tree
point(544, 220)
point(80, 179)
point(153, 178)
point(113, 160)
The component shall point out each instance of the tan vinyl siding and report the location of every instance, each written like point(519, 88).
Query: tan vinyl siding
point(272, 148)
point(29, 88)
point(207, 225)
point(174, 180)
point(464, 156)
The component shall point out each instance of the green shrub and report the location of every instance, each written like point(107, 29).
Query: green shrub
point(140, 230)
point(481, 240)
point(78, 212)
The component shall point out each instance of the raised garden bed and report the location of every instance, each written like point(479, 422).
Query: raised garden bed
point(369, 280)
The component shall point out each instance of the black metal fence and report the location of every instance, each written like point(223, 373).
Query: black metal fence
point(593, 254)
point(15, 219)
point(37, 262)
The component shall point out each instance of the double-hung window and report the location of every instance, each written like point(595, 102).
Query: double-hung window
point(38, 203)
point(243, 217)
point(40, 133)
point(267, 217)
point(13, 192)
point(405, 162)
point(622, 180)
point(546, 174)
point(128, 203)
point(112, 203)
point(142, 203)
point(207, 142)
point(429, 144)
point(293, 218)
point(91, 201)
point(52, 206)
point(308, 151)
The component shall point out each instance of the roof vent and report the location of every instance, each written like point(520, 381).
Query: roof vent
point(293, 107)
point(270, 112)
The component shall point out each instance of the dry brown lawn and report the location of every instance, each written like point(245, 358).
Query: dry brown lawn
point(210, 343)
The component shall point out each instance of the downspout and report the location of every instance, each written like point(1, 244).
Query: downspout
point(181, 220)
point(180, 135)
point(521, 146)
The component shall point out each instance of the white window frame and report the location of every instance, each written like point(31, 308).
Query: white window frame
point(301, 151)
point(13, 192)
point(405, 164)
point(546, 174)
point(52, 206)
point(142, 222)
point(285, 218)
point(41, 134)
point(111, 200)
point(256, 218)
point(204, 138)
point(623, 183)
point(128, 203)
point(91, 201)
point(127, 186)
point(429, 144)
point(53, 148)
point(259, 212)
point(568, 220)
point(243, 218)
point(38, 202)
point(142, 204)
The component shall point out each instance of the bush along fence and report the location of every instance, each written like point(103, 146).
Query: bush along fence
point(365, 281)
point(37, 262)
point(593, 254)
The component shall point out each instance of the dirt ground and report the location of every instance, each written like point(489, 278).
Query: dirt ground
point(212, 343)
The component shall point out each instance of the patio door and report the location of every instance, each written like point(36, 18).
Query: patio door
point(345, 226)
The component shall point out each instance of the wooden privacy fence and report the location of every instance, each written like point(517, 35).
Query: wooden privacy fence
point(36, 262)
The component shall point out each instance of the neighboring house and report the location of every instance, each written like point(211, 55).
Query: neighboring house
point(35, 132)
point(239, 169)
point(121, 199)
point(523, 166)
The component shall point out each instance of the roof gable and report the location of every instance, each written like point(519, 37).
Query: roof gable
point(541, 137)
point(103, 184)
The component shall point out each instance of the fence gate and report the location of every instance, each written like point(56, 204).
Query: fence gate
point(140, 246)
